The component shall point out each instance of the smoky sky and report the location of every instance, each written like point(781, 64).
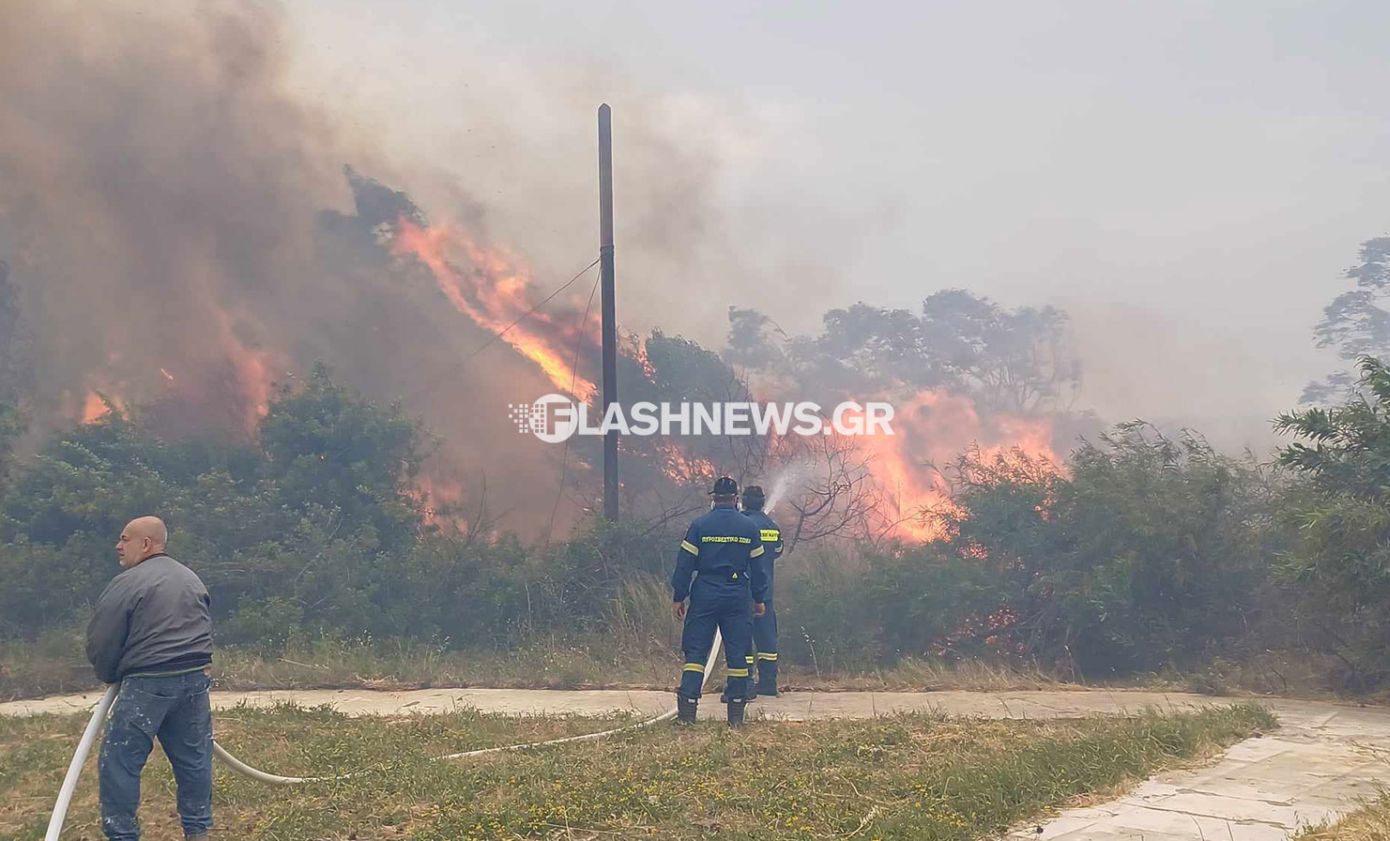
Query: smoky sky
point(153, 180)
point(1188, 179)
point(1187, 182)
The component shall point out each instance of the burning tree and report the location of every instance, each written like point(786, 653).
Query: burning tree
point(963, 373)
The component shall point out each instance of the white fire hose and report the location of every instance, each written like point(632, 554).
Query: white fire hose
point(79, 758)
point(103, 708)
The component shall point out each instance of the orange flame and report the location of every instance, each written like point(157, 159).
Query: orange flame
point(494, 296)
point(931, 430)
point(639, 352)
point(684, 469)
point(97, 406)
point(440, 498)
point(229, 376)
point(253, 371)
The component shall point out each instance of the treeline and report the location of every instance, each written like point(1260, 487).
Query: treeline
point(1145, 553)
point(1142, 552)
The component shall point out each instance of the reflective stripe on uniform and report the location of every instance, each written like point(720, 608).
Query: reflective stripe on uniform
point(738, 673)
point(690, 547)
point(756, 553)
point(766, 656)
point(694, 667)
point(750, 658)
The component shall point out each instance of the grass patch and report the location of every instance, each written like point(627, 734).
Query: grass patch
point(55, 665)
point(1369, 823)
point(911, 776)
point(50, 665)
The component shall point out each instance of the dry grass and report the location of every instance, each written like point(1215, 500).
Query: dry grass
point(640, 653)
point(597, 663)
point(51, 665)
point(1371, 823)
point(911, 674)
point(904, 777)
point(1270, 673)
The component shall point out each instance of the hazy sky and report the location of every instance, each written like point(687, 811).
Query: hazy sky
point(1186, 179)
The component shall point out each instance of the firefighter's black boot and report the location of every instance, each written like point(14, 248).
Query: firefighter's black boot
point(685, 709)
point(736, 713)
point(767, 678)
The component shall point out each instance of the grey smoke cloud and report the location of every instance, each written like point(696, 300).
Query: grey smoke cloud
point(1202, 171)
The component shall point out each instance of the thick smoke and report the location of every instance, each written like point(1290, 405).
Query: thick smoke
point(181, 226)
point(166, 206)
point(157, 193)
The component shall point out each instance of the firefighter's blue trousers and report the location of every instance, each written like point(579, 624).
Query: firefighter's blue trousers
point(765, 641)
point(728, 606)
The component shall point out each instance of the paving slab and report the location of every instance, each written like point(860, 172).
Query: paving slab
point(1324, 761)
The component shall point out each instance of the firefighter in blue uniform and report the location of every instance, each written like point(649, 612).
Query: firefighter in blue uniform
point(723, 550)
point(765, 626)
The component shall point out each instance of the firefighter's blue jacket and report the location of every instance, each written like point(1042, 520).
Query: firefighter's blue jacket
point(771, 537)
point(725, 548)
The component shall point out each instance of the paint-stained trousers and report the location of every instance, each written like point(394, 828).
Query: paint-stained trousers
point(174, 710)
point(727, 606)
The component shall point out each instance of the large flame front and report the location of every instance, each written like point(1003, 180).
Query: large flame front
point(494, 294)
point(930, 431)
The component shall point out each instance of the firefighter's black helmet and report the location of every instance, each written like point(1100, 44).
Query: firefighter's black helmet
point(754, 498)
point(724, 486)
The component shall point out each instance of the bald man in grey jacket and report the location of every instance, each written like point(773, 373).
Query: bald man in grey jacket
point(151, 631)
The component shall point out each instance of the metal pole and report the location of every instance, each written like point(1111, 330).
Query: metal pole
point(610, 318)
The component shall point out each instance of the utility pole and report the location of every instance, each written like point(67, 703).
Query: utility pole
point(609, 304)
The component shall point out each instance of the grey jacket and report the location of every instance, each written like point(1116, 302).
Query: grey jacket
point(152, 617)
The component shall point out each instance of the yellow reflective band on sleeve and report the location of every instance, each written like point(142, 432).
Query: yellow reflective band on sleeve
point(750, 658)
point(694, 667)
point(756, 553)
point(690, 547)
point(763, 656)
point(738, 673)
point(771, 535)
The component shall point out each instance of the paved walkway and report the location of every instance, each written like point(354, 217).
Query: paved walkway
point(795, 706)
point(1324, 760)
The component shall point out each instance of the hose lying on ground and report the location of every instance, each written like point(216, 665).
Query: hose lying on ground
point(103, 707)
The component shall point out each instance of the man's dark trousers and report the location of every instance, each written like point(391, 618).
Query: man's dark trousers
point(173, 709)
